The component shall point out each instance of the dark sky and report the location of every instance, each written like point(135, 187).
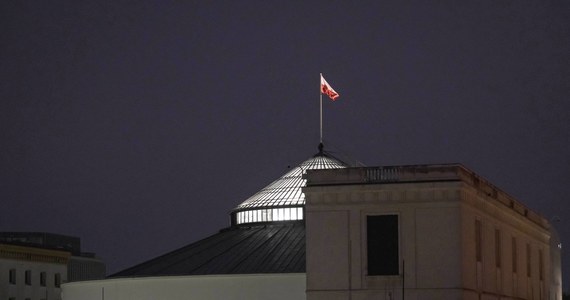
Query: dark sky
point(138, 125)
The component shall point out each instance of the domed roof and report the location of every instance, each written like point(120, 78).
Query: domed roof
point(283, 199)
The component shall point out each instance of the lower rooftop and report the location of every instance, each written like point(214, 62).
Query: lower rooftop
point(264, 248)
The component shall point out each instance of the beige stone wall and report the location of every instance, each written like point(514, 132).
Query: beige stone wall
point(36, 261)
point(335, 243)
point(437, 239)
point(429, 230)
point(205, 287)
point(485, 277)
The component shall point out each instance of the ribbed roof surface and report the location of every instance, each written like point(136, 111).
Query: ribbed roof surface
point(275, 248)
point(286, 191)
point(255, 243)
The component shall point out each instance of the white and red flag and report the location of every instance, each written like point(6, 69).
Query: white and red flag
point(327, 89)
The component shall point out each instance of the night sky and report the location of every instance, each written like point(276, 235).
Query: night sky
point(138, 125)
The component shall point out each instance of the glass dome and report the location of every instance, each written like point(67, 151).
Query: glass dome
point(282, 200)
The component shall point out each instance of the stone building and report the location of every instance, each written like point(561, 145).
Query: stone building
point(424, 232)
point(33, 265)
point(328, 231)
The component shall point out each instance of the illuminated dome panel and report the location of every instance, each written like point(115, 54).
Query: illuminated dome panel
point(283, 199)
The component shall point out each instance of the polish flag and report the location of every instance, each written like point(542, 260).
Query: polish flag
point(327, 89)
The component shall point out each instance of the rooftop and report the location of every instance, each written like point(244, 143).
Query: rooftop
point(273, 248)
point(43, 240)
point(422, 173)
point(283, 199)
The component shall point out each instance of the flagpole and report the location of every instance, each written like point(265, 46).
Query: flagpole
point(321, 110)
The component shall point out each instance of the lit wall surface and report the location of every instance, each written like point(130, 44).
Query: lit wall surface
point(252, 287)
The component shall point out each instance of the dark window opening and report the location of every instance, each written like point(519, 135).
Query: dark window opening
point(540, 265)
point(57, 280)
point(28, 277)
point(514, 246)
point(43, 278)
point(12, 276)
point(528, 263)
point(478, 241)
point(497, 248)
point(383, 245)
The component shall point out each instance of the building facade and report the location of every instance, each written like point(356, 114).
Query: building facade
point(327, 231)
point(34, 265)
point(29, 273)
point(424, 232)
point(286, 286)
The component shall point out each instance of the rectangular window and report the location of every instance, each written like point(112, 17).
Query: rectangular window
point(497, 248)
point(28, 277)
point(540, 265)
point(43, 278)
point(528, 262)
point(478, 240)
point(514, 246)
point(12, 276)
point(383, 245)
point(57, 280)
